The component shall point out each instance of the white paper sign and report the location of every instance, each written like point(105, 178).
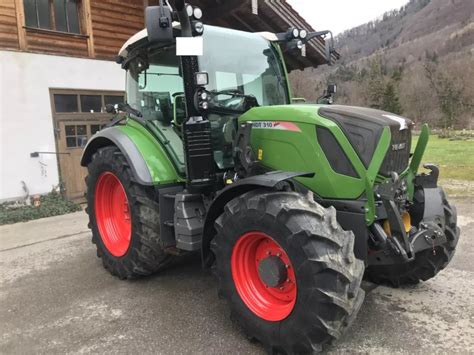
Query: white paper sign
point(192, 46)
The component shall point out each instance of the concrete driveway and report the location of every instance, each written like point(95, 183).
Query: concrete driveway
point(55, 297)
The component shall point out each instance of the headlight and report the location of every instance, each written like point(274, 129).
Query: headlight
point(197, 13)
point(199, 27)
point(189, 10)
point(204, 105)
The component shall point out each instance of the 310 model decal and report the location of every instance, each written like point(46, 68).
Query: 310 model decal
point(283, 126)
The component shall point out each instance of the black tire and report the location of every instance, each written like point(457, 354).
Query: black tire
point(427, 263)
point(328, 275)
point(144, 255)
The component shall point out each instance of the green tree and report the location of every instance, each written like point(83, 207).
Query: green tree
point(375, 86)
point(391, 101)
point(449, 94)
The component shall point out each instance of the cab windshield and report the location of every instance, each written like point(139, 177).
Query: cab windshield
point(242, 65)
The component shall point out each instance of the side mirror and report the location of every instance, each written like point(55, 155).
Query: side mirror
point(329, 48)
point(109, 108)
point(159, 24)
point(298, 100)
point(332, 89)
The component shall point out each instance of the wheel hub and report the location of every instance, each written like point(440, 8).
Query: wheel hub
point(272, 271)
point(263, 276)
point(112, 214)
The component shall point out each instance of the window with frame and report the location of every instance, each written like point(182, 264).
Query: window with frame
point(93, 102)
point(76, 135)
point(55, 15)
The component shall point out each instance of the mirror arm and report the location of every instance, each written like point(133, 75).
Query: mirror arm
point(329, 46)
point(312, 35)
point(186, 30)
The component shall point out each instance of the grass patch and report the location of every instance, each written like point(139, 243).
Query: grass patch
point(52, 204)
point(455, 158)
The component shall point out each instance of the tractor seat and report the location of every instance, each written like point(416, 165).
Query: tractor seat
point(158, 106)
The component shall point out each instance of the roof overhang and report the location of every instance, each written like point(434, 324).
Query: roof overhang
point(274, 16)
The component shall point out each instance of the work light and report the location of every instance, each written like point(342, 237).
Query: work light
point(303, 34)
point(204, 105)
point(197, 13)
point(201, 78)
point(198, 27)
point(189, 10)
point(295, 32)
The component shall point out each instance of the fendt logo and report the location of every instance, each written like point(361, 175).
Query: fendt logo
point(398, 146)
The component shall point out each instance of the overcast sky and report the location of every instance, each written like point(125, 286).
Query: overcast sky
point(340, 15)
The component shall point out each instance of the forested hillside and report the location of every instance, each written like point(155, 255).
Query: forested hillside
point(417, 61)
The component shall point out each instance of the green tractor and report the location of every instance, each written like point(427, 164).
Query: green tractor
point(292, 205)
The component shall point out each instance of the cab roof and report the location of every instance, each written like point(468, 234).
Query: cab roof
point(143, 34)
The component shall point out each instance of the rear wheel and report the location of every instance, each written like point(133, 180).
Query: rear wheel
point(123, 217)
point(287, 269)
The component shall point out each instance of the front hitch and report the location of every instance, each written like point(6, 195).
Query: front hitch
point(428, 225)
point(429, 235)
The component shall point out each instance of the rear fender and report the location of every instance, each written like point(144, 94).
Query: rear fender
point(268, 180)
point(148, 161)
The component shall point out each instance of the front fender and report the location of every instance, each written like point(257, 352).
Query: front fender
point(268, 180)
point(147, 159)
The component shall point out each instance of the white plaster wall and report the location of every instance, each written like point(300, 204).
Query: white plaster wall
point(26, 123)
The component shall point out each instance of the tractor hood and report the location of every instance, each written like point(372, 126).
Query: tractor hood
point(363, 127)
point(304, 113)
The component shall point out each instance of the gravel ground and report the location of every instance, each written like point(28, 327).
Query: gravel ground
point(55, 297)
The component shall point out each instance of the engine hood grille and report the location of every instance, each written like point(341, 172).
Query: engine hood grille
point(363, 128)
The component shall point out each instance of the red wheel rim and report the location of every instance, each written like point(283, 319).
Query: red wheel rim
point(269, 303)
point(112, 214)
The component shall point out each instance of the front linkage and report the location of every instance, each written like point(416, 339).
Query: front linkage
point(418, 238)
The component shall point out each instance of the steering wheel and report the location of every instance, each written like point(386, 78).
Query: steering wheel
point(230, 92)
point(237, 102)
point(177, 93)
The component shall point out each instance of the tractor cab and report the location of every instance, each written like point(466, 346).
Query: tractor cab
point(244, 70)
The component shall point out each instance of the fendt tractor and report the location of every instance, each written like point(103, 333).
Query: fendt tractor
point(291, 205)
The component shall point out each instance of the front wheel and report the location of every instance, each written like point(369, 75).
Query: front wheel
point(123, 217)
point(287, 269)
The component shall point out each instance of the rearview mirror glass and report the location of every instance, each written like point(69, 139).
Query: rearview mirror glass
point(328, 51)
point(159, 24)
point(332, 88)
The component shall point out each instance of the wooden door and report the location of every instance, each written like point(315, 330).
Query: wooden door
point(72, 137)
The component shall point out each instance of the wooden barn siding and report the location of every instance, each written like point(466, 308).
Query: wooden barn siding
point(55, 43)
point(8, 25)
point(114, 22)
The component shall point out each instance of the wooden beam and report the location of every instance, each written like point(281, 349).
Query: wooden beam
point(20, 23)
point(86, 6)
point(227, 7)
